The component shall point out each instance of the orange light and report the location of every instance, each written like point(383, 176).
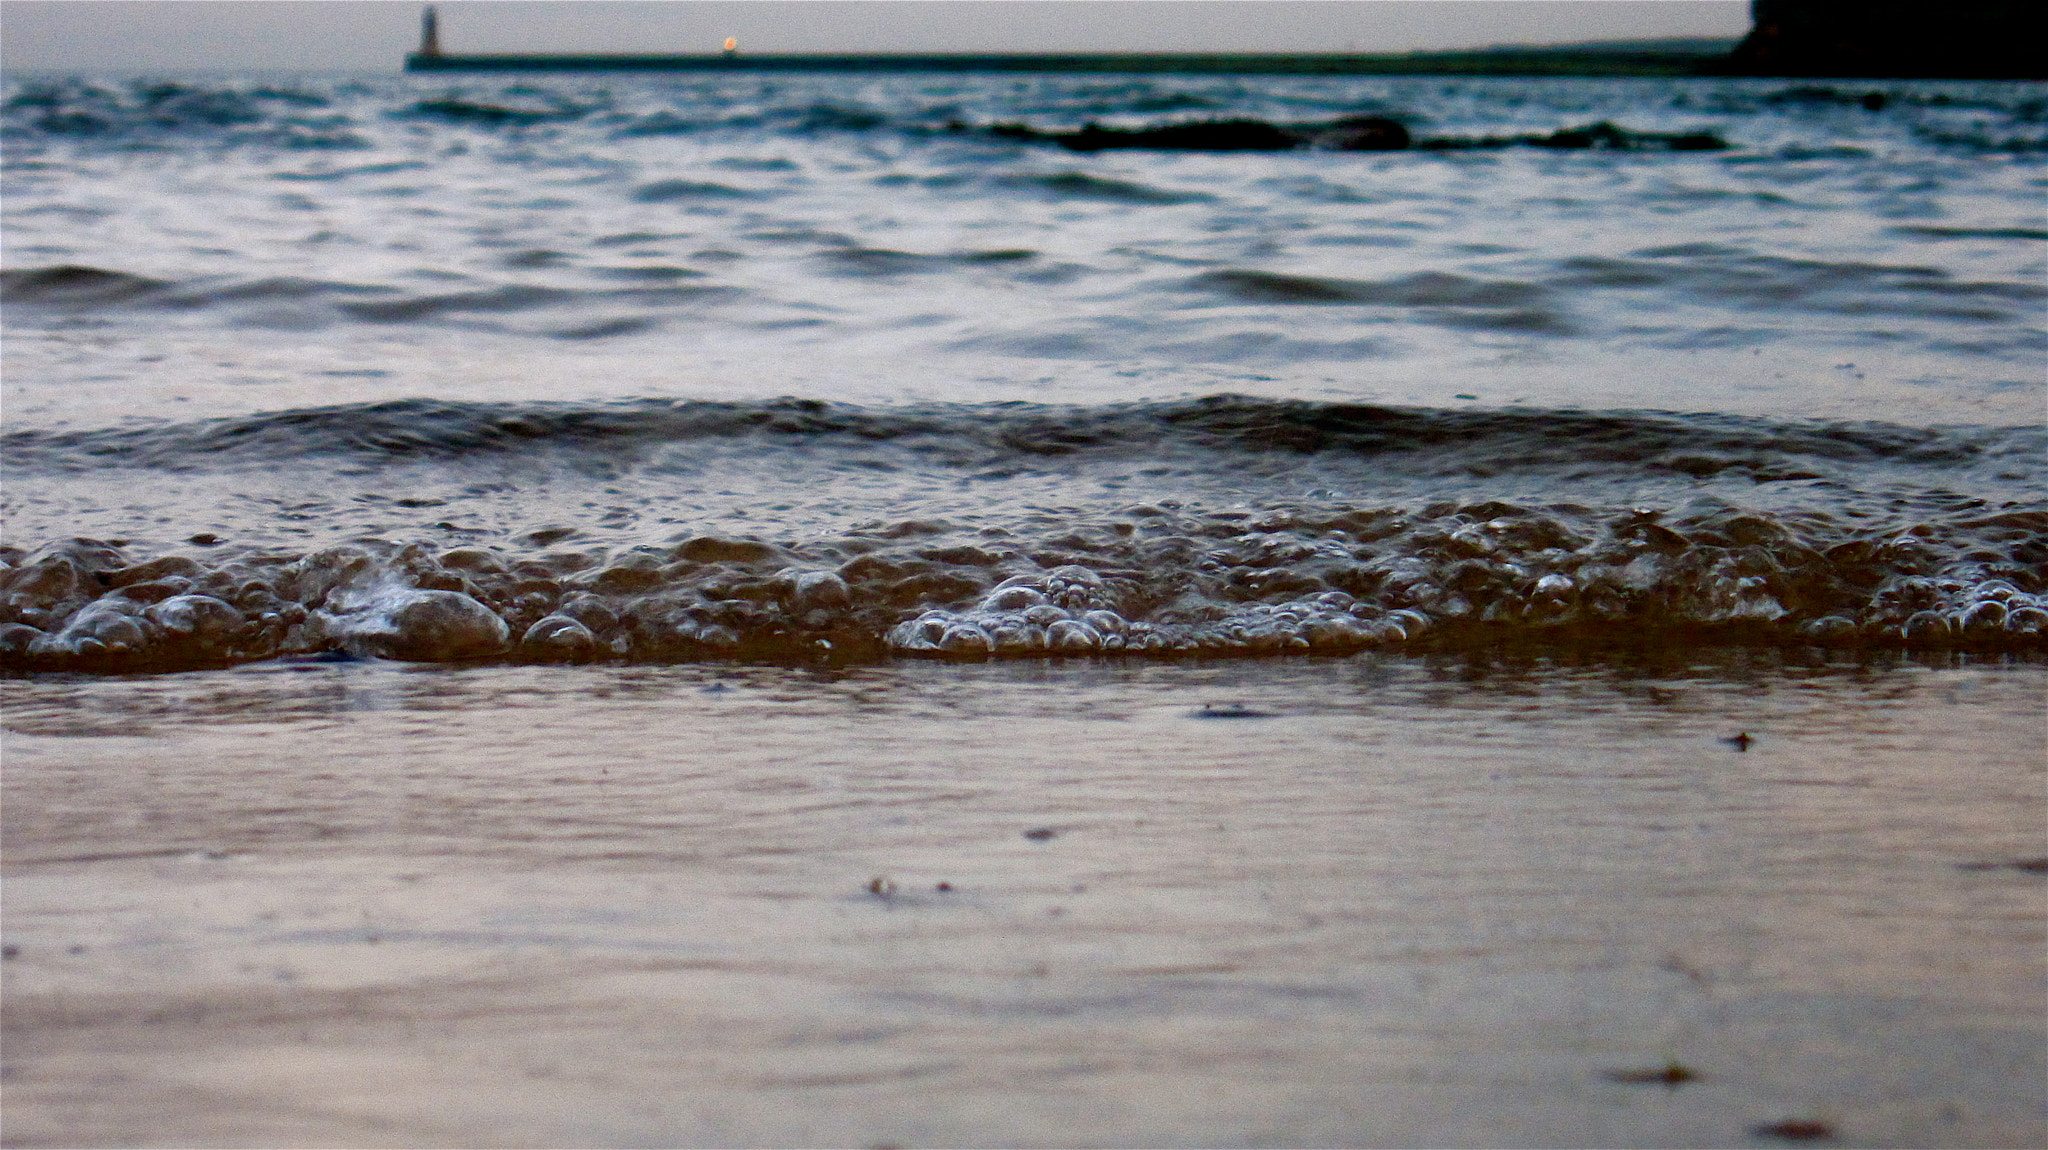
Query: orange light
point(732, 43)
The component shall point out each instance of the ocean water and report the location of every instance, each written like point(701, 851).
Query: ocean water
point(722, 611)
point(671, 369)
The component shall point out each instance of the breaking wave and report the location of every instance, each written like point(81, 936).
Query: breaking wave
point(1320, 574)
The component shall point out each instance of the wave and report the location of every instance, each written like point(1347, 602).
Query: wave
point(1455, 441)
point(327, 114)
point(258, 114)
point(1266, 287)
point(1150, 581)
point(489, 115)
point(1546, 297)
point(70, 288)
point(1082, 186)
point(856, 261)
point(1751, 280)
point(1902, 562)
point(670, 191)
point(70, 285)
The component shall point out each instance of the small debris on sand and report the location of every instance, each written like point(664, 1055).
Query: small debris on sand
point(1678, 965)
point(1795, 1130)
point(1670, 1074)
point(1231, 711)
point(1041, 834)
point(2030, 866)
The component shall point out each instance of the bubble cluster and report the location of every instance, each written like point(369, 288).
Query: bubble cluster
point(1072, 611)
point(1152, 580)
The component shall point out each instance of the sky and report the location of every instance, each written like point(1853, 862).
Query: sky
point(126, 36)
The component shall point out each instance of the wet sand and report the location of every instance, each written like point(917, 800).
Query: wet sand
point(1418, 903)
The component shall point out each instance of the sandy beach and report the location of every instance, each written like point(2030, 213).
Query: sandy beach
point(1367, 901)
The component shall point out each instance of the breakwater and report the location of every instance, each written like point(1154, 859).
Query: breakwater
point(1703, 58)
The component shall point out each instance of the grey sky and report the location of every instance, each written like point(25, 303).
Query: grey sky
point(122, 36)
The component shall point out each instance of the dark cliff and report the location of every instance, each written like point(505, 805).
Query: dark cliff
point(1966, 39)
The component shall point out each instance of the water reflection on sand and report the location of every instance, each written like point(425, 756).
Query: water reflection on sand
point(1454, 903)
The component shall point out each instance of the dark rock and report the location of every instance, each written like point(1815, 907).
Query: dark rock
point(1203, 136)
point(1353, 134)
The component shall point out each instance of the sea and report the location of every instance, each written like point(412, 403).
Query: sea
point(671, 369)
point(884, 628)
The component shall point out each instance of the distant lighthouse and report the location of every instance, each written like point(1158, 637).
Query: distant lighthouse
point(430, 33)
